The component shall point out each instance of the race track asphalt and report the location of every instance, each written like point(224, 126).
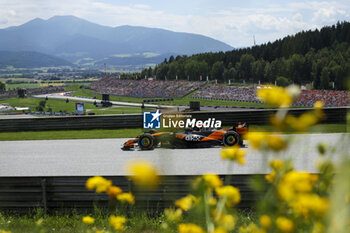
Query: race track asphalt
point(104, 157)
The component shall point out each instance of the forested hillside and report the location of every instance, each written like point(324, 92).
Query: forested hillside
point(317, 56)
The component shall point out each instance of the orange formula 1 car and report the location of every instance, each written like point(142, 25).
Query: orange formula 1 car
point(191, 138)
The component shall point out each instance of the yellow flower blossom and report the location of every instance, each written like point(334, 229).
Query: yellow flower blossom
point(301, 123)
point(318, 104)
point(319, 109)
point(143, 173)
point(275, 96)
point(88, 220)
point(99, 183)
point(3, 231)
point(284, 224)
point(212, 180)
point(117, 222)
point(186, 203)
point(295, 182)
point(231, 193)
point(114, 191)
point(189, 228)
point(276, 164)
point(234, 153)
point(227, 221)
point(265, 221)
point(276, 142)
point(126, 197)
point(255, 139)
point(270, 177)
point(173, 215)
point(212, 201)
point(305, 204)
point(219, 230)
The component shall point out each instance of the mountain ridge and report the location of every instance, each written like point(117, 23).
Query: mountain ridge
point(73, 39)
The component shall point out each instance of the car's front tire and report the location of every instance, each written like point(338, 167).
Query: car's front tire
point(231, 138)
point(146, 142)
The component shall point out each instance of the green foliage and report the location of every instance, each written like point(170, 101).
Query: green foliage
point(300, 58)
point(2, 86)
point(282, 81)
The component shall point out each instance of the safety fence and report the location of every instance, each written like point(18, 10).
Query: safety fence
point(23, 194)
point(257, 116)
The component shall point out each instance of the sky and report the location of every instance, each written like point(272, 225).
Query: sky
point(234, 22)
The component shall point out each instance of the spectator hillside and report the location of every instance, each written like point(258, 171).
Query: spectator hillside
point(248, 94)
point(144, 88)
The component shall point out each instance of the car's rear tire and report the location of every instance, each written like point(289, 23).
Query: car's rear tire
point(231, 138)
point(146, 142)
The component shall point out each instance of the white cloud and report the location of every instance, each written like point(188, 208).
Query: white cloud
point(233, 25)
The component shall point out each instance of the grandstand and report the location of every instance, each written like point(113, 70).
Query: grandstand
point(307, 98)
point(144, 88)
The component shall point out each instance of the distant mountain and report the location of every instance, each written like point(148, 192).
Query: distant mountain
point(83, 42)
point(27, 59)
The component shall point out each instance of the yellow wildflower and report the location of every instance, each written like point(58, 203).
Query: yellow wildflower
point(270, 177)
point(276, 142)
point(189, 228)
point(275, 96)
point(295, 182)
point(173, 215)
point(212, 201)
point(3, 231)
point(88, 220)
point(231, 193)
point(99, 183)
point(234, 153)
point(143, 173)
point(318, 109)
point(227, 221)
point(276, 164)
point(301, 123)
point(212, 180)
point(265, 221)
point(186, 203)
point(219, 230)
point(97, 230)
point(306, 203)
point(117, 222)
point(126, 197)
point(255, 139)
point(284, 224)
point(318, 104)
point(114, 191)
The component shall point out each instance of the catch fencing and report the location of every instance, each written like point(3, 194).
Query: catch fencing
point(52, 194)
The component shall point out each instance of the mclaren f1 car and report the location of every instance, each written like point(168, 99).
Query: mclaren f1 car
point(190, 138)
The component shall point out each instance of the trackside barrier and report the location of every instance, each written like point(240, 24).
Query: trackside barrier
point(256, 116)
point(24, 194)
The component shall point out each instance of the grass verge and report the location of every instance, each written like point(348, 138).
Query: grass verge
point(61, 105)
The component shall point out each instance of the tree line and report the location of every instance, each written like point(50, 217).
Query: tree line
point(320, 57)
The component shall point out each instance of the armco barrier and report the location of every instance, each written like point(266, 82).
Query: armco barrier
point(256, 116)
point(22, 194)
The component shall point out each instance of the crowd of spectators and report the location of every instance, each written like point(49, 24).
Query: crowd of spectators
point(33, 91)
point(329, 98)
point(144, 88)
point(248, 94)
